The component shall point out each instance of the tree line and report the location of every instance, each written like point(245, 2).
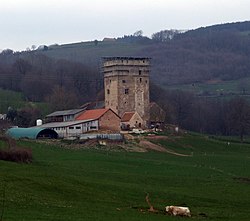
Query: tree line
point(61, 83)
point(216, 116)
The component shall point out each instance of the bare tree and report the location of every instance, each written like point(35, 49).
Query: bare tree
point(239, 116)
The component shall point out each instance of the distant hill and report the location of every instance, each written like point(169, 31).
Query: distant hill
point(218, 52)
point(205, 56)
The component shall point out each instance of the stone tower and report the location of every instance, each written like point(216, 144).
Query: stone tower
point(126, 83)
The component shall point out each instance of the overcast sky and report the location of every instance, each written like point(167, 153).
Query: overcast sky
point(35, 22)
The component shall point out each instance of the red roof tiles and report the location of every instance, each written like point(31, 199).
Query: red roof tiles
point(127, 116)
point(92, 114)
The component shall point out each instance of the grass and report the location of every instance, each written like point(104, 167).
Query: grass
point(10, 99)
point(16, 100)
point(88, 52)
point(226, 88)
point(99, 185)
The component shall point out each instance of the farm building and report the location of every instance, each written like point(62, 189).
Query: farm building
point(131, 120)
point(72, 128)
point(107, 119)
point(31, 133)
point(63, 116)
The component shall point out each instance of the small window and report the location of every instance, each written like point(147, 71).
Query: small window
point(123, 81)
point(108, 91)
point(71, 128)
point(139, 72)
point(109, 81)
point(78, 127)
point(140, 80)
point(146, 81)
point(126, 91)
point(93, 127)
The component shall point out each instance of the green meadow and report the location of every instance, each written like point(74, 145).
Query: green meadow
point(99, 184)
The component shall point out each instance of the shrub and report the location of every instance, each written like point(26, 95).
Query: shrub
point(18, 155)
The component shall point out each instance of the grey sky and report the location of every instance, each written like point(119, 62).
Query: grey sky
point(35, 22)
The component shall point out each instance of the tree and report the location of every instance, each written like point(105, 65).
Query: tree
point(239, 116)
point(62, 99)
point(164, 35)
point(138, 33)
point(27, 116)
point(11, 114)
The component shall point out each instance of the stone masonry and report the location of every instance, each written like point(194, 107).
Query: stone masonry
point(126, 83)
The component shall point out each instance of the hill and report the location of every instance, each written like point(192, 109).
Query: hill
point(219, 52)
point(97, 184)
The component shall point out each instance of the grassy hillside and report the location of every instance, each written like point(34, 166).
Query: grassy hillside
point(10, 99)
point(16, 100)
point(89, 53)
point(216, 87)
point(214, 52)
point(103, 185)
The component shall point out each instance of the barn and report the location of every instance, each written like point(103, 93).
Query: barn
point(106, 118)
point(32, 133)
point(72, 128)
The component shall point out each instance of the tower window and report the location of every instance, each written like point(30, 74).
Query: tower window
point(108, 91)
point(126, 91)
point(109, 81)
point(140, 80)
point(139, 72)
point(123, 81)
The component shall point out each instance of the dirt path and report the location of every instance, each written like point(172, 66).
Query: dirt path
point(151, 146)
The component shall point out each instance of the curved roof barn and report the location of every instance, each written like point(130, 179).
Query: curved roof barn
point(32, 133)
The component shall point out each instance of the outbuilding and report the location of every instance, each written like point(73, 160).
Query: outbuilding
point(72, 128)
point(107, 118)
point(131, 120)
point(31, 133)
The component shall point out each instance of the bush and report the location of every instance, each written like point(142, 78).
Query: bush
point(18, 155)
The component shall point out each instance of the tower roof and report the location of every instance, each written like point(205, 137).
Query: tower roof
point(110, 58)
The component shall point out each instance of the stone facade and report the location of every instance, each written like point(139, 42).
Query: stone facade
point(132, 120)
point(126, 83)
point(110, 121)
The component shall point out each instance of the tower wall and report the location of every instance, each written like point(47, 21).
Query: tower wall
point(126, 83)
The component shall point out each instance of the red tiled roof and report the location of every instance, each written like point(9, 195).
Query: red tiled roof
point(127, 116)
point(92, 114)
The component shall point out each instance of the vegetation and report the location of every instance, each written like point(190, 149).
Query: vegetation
point(10, 152)
point(10, 99)
point(67, 185)
point(211, 62)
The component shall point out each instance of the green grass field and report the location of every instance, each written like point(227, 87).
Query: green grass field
point(10, 99)
point(16, 100)
point(88, 52)
point(226, 88)
point(102, 185)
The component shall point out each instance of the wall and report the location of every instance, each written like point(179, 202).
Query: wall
point(110, 121)
point(77, 129)
point(132, 74)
